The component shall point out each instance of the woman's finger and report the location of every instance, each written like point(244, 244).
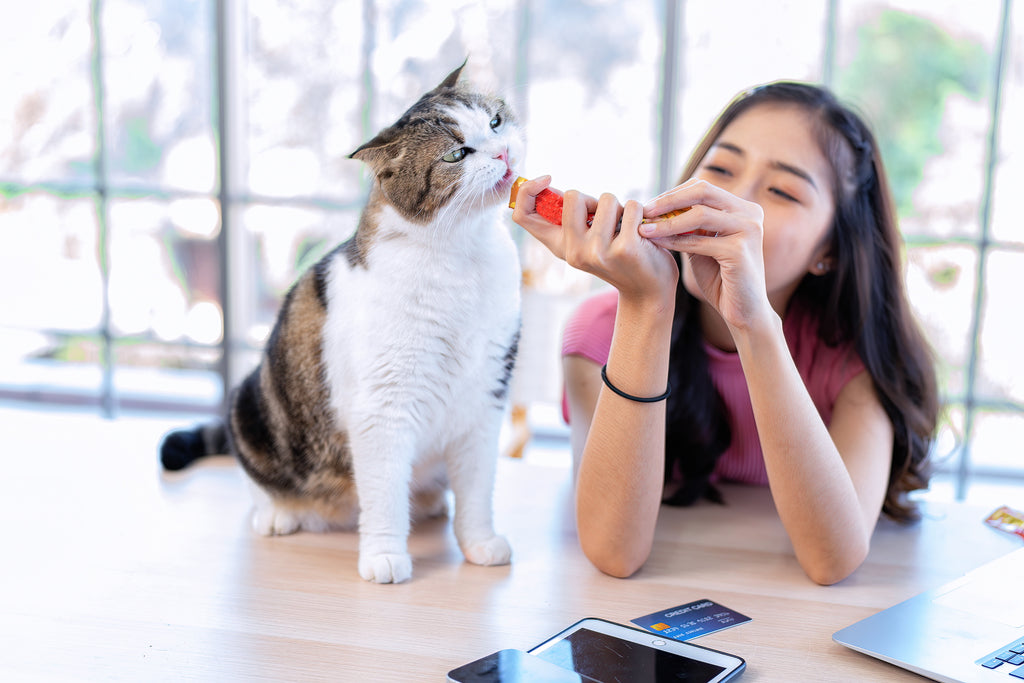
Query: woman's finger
point(701, 221)
point(692, 193)
point(525, 215)
point(576, 207)
point(526, 197)
point(607, 217)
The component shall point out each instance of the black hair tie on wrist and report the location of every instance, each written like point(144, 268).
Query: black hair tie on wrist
point(623, 394)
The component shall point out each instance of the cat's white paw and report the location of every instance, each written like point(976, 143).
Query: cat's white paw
point(495, 550)
point(386, 567)
point(273, 521)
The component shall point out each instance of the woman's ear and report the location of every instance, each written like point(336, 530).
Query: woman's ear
point(822, 263)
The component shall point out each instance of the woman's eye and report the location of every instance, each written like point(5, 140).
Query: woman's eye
point(716, 169)
point(496, 121)
point(784, 195)
point(457, 155)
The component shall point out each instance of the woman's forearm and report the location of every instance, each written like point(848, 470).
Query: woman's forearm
point(829, 520)
point(620, 477)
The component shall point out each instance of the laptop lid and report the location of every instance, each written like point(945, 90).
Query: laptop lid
point(952, 632)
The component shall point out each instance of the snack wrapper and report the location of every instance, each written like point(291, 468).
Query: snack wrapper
point(1007, 519)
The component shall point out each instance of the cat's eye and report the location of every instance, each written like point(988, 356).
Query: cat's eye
point(456, 155)
point(496, 121)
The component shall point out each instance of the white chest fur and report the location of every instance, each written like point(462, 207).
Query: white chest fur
point(417, 336)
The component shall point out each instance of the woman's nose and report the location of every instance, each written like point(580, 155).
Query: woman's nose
point(745, 187)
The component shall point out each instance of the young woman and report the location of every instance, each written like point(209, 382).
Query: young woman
point(761, 336)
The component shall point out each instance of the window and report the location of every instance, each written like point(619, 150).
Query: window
point(168, 167)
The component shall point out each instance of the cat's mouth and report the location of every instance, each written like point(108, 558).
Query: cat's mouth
point(506, 181)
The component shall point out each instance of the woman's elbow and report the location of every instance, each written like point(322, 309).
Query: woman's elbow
point(617, 562)
point(830, 569)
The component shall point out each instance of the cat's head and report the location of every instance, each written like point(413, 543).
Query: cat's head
point(454, 150)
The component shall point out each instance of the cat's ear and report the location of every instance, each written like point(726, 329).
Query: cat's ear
point(375, 152)
point(452, 78)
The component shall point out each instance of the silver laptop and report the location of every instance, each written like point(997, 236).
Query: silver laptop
point(969, 630)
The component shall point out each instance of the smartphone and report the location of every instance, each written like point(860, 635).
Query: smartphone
point(514, 666)
point(605, 651)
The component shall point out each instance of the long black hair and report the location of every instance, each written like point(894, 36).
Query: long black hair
point(861, 300)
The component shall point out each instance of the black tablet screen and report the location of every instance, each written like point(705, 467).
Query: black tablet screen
point(610, 659)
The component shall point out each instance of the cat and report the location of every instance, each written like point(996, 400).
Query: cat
point(385, 379)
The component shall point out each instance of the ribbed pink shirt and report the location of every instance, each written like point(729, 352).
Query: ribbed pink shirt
point(824, 369)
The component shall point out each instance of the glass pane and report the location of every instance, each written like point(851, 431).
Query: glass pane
point(274, 245)
point(47, 121)
point(949, 439)
point(50, 366)
point(996, 442)
point(593, 98)
point(773, 41)
point(49, 269)
point(158, 71)
point(164, 270)
point(941, 284)
point(1001, 366)
point(154, 374)
point(417, 44)
point(303, 98)
point(1009, 177)
point(591, 108)
point(921, 71)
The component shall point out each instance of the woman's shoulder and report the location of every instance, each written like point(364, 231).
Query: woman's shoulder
point(588, 330)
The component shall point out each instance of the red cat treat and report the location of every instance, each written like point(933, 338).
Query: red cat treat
point(549, 205)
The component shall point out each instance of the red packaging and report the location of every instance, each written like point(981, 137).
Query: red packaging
point(549, 205)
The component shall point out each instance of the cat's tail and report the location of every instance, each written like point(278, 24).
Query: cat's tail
point(182, 447)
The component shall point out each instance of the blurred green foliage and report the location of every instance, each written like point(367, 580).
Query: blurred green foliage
point(904, 69)
point(141, 153)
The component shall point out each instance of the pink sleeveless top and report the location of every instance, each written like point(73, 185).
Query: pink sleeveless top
point(824, 369)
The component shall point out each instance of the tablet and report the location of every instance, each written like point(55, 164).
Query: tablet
point(606, 652)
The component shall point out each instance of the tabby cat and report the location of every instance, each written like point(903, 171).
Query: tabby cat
point(386, 376)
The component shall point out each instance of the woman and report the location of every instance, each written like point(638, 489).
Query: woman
point(763, 335)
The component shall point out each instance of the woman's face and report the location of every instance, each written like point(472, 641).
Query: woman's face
point(769, 155)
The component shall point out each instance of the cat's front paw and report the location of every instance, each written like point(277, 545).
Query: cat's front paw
point(495, 550)
point(386, 567)
point(273, 521)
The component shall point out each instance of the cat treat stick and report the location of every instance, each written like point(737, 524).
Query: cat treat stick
point(549, 205)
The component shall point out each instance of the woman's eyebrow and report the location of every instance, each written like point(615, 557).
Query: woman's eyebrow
point(781, 165)
point(799, 172)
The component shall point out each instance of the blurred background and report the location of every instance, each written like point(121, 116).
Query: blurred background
point(168, 167)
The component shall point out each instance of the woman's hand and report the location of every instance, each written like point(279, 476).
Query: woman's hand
point(721, 235)
point(610, 246)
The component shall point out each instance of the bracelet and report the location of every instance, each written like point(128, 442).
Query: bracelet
point(623, 394)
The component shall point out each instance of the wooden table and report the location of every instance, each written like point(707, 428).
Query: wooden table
point(114, 570)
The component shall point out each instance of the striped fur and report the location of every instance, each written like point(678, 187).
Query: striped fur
point(385, 379)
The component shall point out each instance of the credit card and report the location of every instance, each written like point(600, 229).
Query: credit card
point(697, 618)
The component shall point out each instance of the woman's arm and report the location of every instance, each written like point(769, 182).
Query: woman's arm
point(619, 444)
point(828, 484)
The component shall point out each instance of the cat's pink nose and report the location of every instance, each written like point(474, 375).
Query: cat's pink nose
point(503, 156)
